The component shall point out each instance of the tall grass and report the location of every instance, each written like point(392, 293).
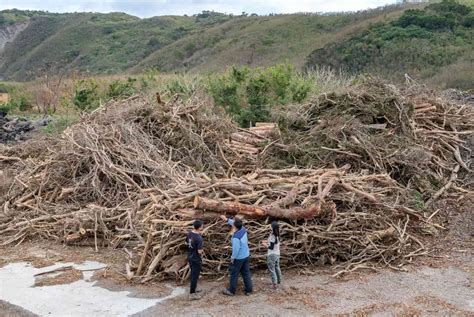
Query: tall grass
point(248, 94)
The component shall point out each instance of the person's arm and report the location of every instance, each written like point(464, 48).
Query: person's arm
point(229, 221)
point(271, 246)
point(235, 248)
point(199, 247)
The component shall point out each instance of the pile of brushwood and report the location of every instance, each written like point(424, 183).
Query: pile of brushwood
point(353, 177)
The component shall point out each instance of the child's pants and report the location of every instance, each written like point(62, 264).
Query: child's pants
point(273, 262)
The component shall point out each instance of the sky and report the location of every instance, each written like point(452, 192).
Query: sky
point(148, 8)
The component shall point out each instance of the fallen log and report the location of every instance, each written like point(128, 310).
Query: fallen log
point(233, 208)
point(248, 139)
point(252, 211)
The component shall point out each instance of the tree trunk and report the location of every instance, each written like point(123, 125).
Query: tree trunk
point(229, 207)
point(251, 211)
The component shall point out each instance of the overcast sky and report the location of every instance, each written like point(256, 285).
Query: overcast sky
point(147, 8)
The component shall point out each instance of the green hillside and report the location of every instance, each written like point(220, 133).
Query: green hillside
point(88, 42)
point(435, 43)
point(113, 43)
point(262, 41)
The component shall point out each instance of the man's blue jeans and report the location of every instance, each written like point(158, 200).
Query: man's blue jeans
point(240, 267)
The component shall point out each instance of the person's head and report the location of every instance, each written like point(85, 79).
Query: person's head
point(238, 223)
point(275, 228)
point(198, 225)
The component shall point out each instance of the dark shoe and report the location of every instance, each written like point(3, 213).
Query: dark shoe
point(275, 286)
point(248, 293)
point(198, 290)
point(227, 292)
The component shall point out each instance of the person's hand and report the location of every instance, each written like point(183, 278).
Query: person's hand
point(223, 217)
point(265, 243)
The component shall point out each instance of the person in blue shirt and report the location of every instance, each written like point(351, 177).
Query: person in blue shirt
point(239, 261)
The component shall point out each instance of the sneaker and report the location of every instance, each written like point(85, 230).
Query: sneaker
point(194, 296)
point(275, 286)
point(198, 290)
point(227, 292)
point(248, 293)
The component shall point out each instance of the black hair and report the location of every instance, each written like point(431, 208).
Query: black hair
point(276, 230)
point(238, 223)
point(198, 224)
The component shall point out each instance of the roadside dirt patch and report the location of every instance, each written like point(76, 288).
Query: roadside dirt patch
point(65, 277)
point(443, 288)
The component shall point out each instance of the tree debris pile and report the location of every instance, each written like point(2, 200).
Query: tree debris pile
point(351, 180)
point(417, 140)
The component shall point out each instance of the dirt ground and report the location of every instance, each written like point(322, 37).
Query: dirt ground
point(442, 285)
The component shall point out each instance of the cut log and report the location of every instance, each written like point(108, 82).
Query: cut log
point(191, 214)
point(295, 213)
point(233, 208)
point(246, 138)
point(76, 236)
point(265, 124)
point(174, 264)
point(255, 212)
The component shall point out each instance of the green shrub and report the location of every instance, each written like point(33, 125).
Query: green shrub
point(120, 88)
point(6, 107)
point(58, 125)
point(182, 85)
point(19, 101)
point(3, 87)
point(22, 102)
point(249, 94)
point(86, 95)
point(468, 20)
point(300, 89)
point(451, 7)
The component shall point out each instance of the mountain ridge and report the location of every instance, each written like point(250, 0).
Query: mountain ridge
point(113, 43)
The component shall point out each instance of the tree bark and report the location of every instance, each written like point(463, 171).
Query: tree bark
point(229, 207)
point(251, 211)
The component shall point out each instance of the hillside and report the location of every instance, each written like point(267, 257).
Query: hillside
point(433, 43)
point(113, 43)
point(436, 43)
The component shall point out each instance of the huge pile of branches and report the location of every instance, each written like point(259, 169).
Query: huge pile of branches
point(417, 139)
point(344, 178)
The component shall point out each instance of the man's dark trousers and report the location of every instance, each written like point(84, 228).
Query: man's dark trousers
point(195, 271)
point(240, 267)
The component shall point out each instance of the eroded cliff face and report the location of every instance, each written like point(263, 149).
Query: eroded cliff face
point(7, 35)
point(9, 32)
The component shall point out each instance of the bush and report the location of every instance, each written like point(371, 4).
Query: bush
point(19, 99)
point(452, 7)
point(3, 87)
point(86, 95)
point(120, 89)
point(182, 85)
point(249, 94)
point(468, 20)
point(58, 125)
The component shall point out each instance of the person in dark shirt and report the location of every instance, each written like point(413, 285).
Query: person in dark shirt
point(194, 242)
